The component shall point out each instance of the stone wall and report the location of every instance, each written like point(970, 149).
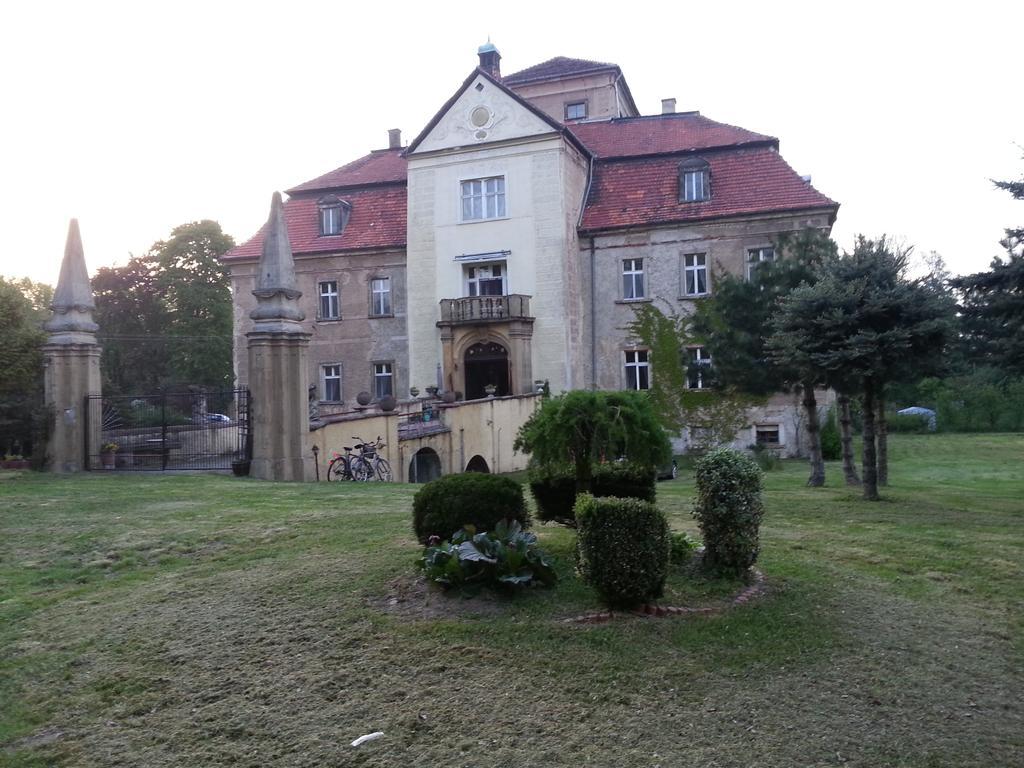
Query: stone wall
point(485, 428)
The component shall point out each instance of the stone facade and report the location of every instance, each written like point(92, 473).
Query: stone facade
point(531, 279)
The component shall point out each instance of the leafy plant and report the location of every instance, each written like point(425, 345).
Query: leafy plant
point(682, 547)
point(765, 458)
point(506, 557)
point(622, 549)
point(729, 511)
point(443, 506)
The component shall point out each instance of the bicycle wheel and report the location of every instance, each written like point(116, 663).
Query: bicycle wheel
point(336, 470)
point(361, 470)
point(383, 470)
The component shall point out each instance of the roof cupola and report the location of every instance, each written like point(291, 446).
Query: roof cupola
point(490, 59)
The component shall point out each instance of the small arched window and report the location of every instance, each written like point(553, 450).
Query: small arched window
point(334, 214)
point(694, 180)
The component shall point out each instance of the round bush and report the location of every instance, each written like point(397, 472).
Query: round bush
point(622, 548)
point(554, 488)
point(446, 505)
point(729, 511)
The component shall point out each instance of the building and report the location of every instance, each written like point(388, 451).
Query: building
point(507, 242)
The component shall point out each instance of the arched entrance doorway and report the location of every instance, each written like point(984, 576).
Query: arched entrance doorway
point(486, 363)
point(425, 466)
point(478, 464)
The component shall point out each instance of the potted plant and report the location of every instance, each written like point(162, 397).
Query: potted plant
point(490, 389)
point(107, 453)
point(432, 391)
point(414, 392)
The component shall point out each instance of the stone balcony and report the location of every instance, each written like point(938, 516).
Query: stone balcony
point(473, 310)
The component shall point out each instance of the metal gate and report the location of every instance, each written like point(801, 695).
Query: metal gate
point(194, 430)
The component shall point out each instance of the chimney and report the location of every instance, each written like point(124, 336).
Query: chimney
point(490, 59)
point(668, 106)
point(394, 138)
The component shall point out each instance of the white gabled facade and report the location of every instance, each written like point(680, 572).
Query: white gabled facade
point(487, 135)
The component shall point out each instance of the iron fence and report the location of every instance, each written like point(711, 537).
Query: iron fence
point(168, 431)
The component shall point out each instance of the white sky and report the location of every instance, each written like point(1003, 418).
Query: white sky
point(136, 117)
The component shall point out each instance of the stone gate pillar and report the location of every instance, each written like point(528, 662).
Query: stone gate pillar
point(278, 370)
point(72, 364)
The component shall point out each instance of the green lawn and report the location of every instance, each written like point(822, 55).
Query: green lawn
point(206, 621)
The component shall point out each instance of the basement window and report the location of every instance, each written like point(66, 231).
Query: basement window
point(767, 434)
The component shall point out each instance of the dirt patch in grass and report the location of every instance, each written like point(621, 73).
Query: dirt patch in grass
point(410, 596)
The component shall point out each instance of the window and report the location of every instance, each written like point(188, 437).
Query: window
point(695, 274)
point(483, 199)
point(333, 215)
point(486, 280)
point(755, 256)
point(329, 308)
point(697, 368)
point(694, 180)
point(638, 369)
point(380, 297)
point(576, 110)
point(330, 383)
point(767, 434)
point(633, 279)
point(383, 380)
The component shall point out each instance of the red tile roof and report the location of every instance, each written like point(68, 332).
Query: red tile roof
point(382, 166)
point(377, 221)
point(560, 66)
point(661, 134)
point(629, 193)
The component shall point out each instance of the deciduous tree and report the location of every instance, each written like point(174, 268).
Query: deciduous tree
point(735, 323)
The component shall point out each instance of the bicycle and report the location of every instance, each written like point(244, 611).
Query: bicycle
point(348, 467)
point(368, 453)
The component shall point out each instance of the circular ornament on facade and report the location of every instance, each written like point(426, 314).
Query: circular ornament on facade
point(480, 116)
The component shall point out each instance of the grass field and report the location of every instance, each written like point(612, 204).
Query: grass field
point(209, 621)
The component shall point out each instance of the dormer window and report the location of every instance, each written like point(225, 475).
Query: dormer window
point(333, 215)
point(694, 180)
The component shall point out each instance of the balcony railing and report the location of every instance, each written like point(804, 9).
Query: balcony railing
point(485, 309)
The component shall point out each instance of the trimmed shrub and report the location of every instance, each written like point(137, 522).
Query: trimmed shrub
point(506, 557)
point(554, 488)
point(622, 548)
point(444, 506)
point(831, 447)
point(729, 511)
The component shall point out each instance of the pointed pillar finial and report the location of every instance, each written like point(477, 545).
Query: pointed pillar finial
point(276, 291)
point(72, 304)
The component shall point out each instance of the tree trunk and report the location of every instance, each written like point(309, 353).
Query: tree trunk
point(817, 478)
point(883, 441)
point(846, 441)
point(869, 460)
